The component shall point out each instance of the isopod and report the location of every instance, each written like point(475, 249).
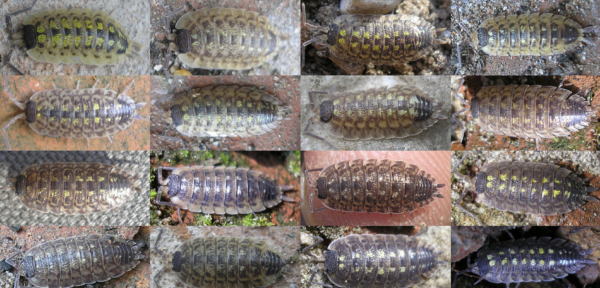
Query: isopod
point(220, 190)
point(227, 111)
point(73, 188)
point(76, 113)
point(355, 40)
point(372, 185)
point(528, 260)
point(75, 36)
point(374, 260)
point(528, 187)
point(77, 260)
point(379, 113)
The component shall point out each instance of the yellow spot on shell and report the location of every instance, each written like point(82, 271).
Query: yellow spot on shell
point(88, 42)
point(343, 32)
point(489, 184)
point(492, 263)
point(366, 46)
point(97, 120)
point(524, 178)
point(545, 180)
point(354, 45)
point(355, 34)
point(502, 186)
point(396, 34)
point(341, 266)
point(503, 177)
point(342, 41)
point(387, 36)
point(42, 38)
point(524, 261)
point(551, 263)
point(38, 115)
point(532, 262)
point(402, 269)
point(550, 251)
point(504, 261)
point(249, 105)
point(533, 180)
point(514, 177)
point(490, 178)
point(86, 121)
point(406, 33)
point(545, 193)
point(396, 47)
point(100, 26)
point(376, 47)
point(490, 256)
point(531, 251)
point(40, 29)
point(239, 104)
point(386, 47)
point(541, 251)
point(380, 271)
point(77, 23)
point(367, 36)
point(406, 47)
point(514, 261)
point(377, 36)
point(96, 106)
point(88, 23)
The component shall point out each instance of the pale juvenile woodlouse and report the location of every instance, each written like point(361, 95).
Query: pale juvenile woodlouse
point(84, 259)
point(76, 113)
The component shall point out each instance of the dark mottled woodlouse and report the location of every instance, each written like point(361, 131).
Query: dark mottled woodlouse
point(227, 111)
point(73, 188)
point(379, 186)
point(82, 259)
point(380, 113)
point(378, 261)
point(220, 190)
point(528, 187)
point(530, 34)
point(76, 113)
point(223, 38)
point(75, 36)
point(528, 260)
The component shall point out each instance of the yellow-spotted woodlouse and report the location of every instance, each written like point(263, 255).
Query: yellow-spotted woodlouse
point(373, 186)
point(380, 113)
point(220, 190)
point(77, 260)
point(75, 36)
point(353, 41)
point(377, 260)
point(76, 113)
point(74, 188)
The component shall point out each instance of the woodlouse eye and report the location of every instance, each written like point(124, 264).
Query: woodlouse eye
point(29, 36)
point(482, 36)
point(183, 41)
point(326, 111)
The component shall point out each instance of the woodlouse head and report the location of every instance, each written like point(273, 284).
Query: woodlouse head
point(480, 182)
point(332, 34)
point(475, 107)
point(30, 110)
point(331, 261)
point(174, 185)
point(322, 188)
point(183, 40)
point(29, 266)
point(177, 115)
point(30, 36)
point(21, 185)
point(326, 111)
point(177, 261)
point(481, 37)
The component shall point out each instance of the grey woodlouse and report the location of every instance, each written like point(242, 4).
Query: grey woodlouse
point(220, 190)
point(380, 113)
point(377, 261)
point(73, 188)
point(84, 259)
point(227, 111)
point(380, 186)
point(528, 187)
point(75, 36)
point(528, 260)
point(529, 111)
point(355, 40)
point(76, 113)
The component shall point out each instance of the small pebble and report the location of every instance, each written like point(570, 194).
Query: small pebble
point(157, 67)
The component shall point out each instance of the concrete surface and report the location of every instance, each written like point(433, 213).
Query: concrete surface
point(433, 163)
point(438, 237)
point(133, 212)
point(285, 88)
point(583, 164)
point(22, 137)
point(285, 239)
point(579, 61)
point(133, 15)
point(475, 137)
point(284, 15)
point(436, 12)
point(273, 164)
point(434, 138)
point(30, 236)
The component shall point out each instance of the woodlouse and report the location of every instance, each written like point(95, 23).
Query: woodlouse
point(377, 261)
point(355, 40)
point(528, 260)
point(379, 186)
point(77, 260)
point(73, 188)
point(528, 187)
point(227, 111)
point(380, 113)
point(220, 190)
point(76, 113)
point(222, 38)
point(529, 111)
point(75, 36)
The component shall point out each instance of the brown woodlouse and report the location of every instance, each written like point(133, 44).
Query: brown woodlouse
point(528, 260)
point(219, 190)
point(527, 187)
point(76, 113)
point(73, 188)
point(355, 40)
point(77, 260)
point(377, 261)
point(379, 186)
point(222, 38)
point(379, 113)
point(227, 111)
point(529, 111)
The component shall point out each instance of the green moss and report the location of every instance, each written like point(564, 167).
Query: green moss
point(563, 143)
point(250, 220)
point(153, 194)
point(294, 165)
point(203, 220)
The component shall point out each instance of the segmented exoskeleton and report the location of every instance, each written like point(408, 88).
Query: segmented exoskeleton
point(220, 190)
point(77, 260)
point(377, 261)
point(76, 113)
point(380, 186)
point(528, 260)
point(73, 188)
point(528, 187)
point(378, 113)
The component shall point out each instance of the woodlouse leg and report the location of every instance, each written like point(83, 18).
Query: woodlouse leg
point(312, 100)
point(77, 85)
point(168, 18)
point(317, 283)
point(127, 88)
point(13, 120)
point(97, 80)
point(12, 66)
point(11, 96)
point(108, 136)
point(305, 250)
